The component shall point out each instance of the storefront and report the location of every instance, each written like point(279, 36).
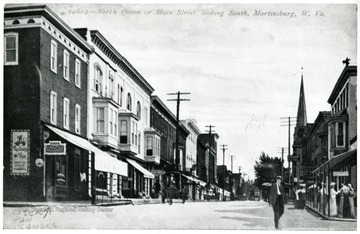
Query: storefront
point(139, 180)
point(324, 191)
point(76, 170)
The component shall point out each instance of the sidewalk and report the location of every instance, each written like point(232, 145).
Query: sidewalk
point(130, 201)
point(312, 210)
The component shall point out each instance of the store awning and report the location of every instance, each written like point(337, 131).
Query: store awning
point(202, 183)
point(337, 159)
point(147, 174)
point(103, 161)
point(341, 157)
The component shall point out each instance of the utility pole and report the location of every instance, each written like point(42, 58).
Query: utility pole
point(215, 159)
point(232, 156)
point(223, 149)
point(288, 122)
point(282, 150)
point(178, 100)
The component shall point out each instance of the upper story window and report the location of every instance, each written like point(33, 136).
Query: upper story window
point(100, 118)
point(113, 122)
point(138, 110)
point(98, 80)
point(149, 146)
point(11, 47)
point(128, 102)
point(53, 56)
point(66, 65)
point(111, 86)
point(77, 118)
point(123, 132)
point(77, 73)
point(340, 134)
point(53, 107)
point(66, 113)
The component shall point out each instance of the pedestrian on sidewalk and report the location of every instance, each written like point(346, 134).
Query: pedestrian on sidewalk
point(352, 195)
point(277, 200)
point(344, 200)
point(333, 206)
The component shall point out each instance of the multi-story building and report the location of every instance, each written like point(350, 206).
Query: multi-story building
point(210, 155)
point(161, 138)
point(46, 152)
point(191, 145)
point(119, 104)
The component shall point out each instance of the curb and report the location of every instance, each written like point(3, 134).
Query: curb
point(327, 217)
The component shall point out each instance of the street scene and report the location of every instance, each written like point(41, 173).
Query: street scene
point(237, 215)
point(180, 116)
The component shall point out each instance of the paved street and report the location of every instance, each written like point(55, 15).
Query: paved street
point(250, 215)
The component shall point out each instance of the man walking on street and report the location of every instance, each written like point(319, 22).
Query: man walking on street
point(277, 200)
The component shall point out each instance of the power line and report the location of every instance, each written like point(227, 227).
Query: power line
point(178, 100)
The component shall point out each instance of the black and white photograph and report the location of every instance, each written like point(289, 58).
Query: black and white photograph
point(179, 116)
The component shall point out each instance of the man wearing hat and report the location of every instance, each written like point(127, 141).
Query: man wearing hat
point(277, 200)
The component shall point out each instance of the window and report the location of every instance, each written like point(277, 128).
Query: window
point(53, 56)
point(115, 123)
point(112, 122)
point(340, 134)
point(111, 86)
point(138, 110)
point(139, 147)
point(66, 113)
point(121, 96)
point(77, 118)
point(77, 73)
point(11, 49)
point(134, 133)
point(128, 102)
point(146, 115)
point(149, 146)
point(123, 132)
point(118, 94)
point(97, 80)
point(77, 169)
point(66, 65)
point(100, 120)
point(53, 107)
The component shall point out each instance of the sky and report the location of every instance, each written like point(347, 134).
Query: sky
point(243, 71)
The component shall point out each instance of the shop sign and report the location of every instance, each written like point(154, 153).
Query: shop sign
point(341, 173)
point(158, 172)
point(55, 148)
point(39, 162)
point(293, 158)
point(20, 152)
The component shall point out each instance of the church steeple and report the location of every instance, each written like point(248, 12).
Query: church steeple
point(301, 114)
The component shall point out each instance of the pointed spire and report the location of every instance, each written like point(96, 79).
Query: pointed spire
point(301, 114)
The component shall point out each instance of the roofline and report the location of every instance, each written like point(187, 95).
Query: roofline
point(156, 98)
point(122, 58)
point(22, 9)
point(347, 71)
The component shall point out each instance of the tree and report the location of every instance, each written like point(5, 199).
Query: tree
point(266, 169)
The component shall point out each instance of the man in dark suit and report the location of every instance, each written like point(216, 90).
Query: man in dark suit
point(277, 200)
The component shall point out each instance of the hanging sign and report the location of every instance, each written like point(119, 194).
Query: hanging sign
point(341, 173)
point(20, 152)
point(293, 158)
point(55, 148)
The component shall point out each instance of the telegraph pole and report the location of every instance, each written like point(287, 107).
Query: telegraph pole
point(223, 149)
point(178, 100)
point(288, 122)
point(282, 150)
point(232, 156)
point(215, 159)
